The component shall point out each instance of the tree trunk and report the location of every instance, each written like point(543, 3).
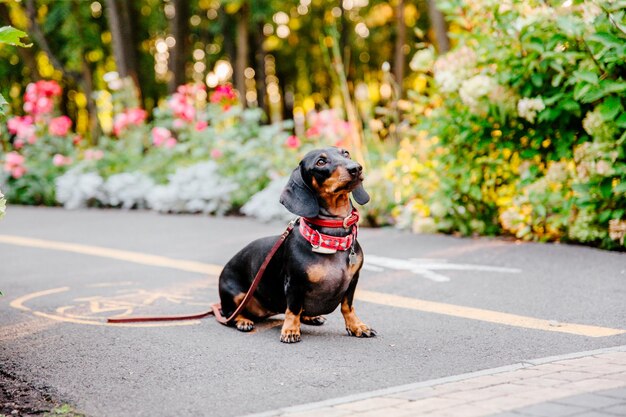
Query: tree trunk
point(179, 28)
point(241, 62)
point(399, 61)
point(260, 66)
point(121, 29)
point(438, 25)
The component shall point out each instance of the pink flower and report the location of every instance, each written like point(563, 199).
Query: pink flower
point(120, 121)
point(201, 125)
point(182, 103)
point(59, 160)
point(224, 95)
point(216, 153)
point(93, 154)
point(14, 163)
point(39, 97)
point(23, 128)
point(136, 116)
point(59, 126)
point(328, 125)
point(292, 142)
point(170, 143)
point(160, 136)
point(178, 123)
point(18, 172)
point(129, 117)
point(13, 159)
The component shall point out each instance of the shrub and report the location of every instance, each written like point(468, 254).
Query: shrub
point(520, 128)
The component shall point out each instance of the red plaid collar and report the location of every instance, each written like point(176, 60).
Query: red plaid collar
point(346, 223)
point(317, 239)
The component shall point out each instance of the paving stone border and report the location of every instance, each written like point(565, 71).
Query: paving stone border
point(527, 388)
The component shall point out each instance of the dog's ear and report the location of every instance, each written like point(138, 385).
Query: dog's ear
point(360, 195)
point(298, 198)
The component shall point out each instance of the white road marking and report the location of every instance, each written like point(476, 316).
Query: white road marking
point(425, 267)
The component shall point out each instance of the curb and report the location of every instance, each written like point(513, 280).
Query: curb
point(455, 378)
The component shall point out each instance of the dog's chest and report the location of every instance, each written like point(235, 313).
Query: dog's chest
point(328, 281)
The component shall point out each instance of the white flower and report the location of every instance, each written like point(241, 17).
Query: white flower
point(265, 204)
point(475, 88)
point(423, 60)
point(198, 188)
point(454, 67)
point(595, 126)
point(527, 108)
point(603, 168)
point(447, 81)
point(128, 189)
point(75, 189)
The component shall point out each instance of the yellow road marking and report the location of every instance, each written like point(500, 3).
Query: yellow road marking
point(484, 315)
point(18, 303)
point(122, 255)
point(390, 300)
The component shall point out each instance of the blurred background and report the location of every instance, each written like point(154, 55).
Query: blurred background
point(471, 116)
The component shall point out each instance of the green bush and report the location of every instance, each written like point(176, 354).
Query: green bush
point(521, 127)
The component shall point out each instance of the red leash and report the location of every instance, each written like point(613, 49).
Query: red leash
point(216, 308)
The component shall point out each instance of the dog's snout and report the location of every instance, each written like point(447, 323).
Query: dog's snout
point(354, 170)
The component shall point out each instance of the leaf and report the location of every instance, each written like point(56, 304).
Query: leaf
point(610, 108)
point(13, 36)
point(585, 75)
point(604, 216)
point(606, 187)
point(606, 87)
point(621, 121)
point(607, 39)
point(536, 79)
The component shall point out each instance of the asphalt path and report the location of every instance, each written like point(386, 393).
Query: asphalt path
point(442, 306)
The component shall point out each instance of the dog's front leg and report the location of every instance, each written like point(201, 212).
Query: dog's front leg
point(290, 333)
point(354, 325)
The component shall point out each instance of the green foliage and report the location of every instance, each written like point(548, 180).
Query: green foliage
point(12, 36)
point(521, 126)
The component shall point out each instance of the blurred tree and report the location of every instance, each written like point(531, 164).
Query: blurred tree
point(399, 50)
point(439, 27)
point(178, 14)
point(123, 38)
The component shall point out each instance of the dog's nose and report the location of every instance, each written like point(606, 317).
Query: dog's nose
point(354, 170)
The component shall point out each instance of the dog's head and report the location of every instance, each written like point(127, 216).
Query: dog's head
point(324, 178)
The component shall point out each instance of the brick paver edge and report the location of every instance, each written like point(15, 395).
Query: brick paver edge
point(438, 381)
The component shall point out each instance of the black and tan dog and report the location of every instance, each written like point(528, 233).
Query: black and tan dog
point(317, 268)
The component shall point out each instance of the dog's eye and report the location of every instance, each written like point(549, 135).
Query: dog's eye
point(346, 154)
point(320, 162)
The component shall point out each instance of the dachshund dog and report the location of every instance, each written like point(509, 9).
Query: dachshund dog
point(317, 267)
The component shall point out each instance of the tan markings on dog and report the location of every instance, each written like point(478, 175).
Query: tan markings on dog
point(290, 332)
point(244, 324)
point(354, 268)
point(254, 307)
point(239, 298)
point(353, 323)
point(316, 272)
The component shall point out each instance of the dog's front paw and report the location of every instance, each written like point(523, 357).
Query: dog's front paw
point(243, 324)
point(360, 330)
point(290, 336)
point(313, 321)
